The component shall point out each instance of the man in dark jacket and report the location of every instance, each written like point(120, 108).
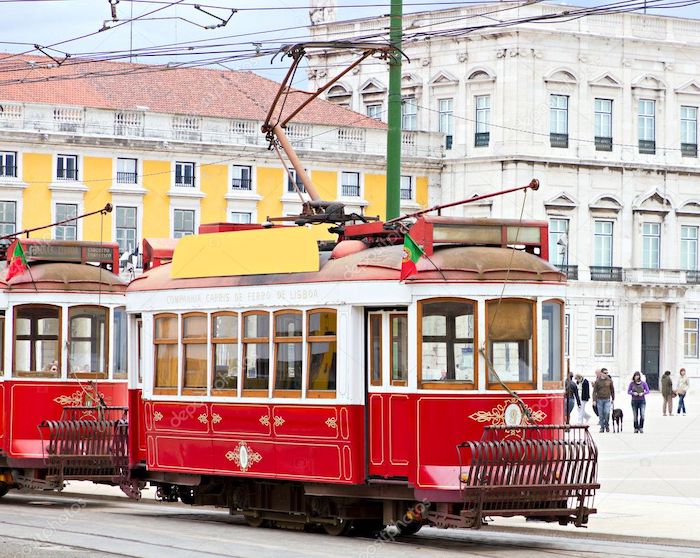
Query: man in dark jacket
point(571, 391)
point(585, 389)
point(667, 392)
point(603, 396)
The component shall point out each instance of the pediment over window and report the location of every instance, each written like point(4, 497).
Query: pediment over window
point(690, 88)
point(561, 201)
point(372, 86)
point(607, 203)
point(561, 76)
point(648, 82)
point(652, 202)
point(481, 74)
point(691, 207)
point(444, 78)
point(410, 81)
point(339, 90)
point(605, 80)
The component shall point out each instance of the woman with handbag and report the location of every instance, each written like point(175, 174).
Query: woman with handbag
point(638, 389)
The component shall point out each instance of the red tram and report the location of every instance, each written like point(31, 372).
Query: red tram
point(63, 352)
point(337, 395)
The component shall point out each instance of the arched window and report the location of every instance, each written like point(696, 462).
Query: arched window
point(194, 348)
point(256, 354)
point(510, 346)
point(37, 342)
point(87, 341)
point(288, 352)
point(447, 337)
point(321, 337)
point(165, 345)
point(224, 338)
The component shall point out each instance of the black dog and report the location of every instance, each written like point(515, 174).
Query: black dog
point(617, 420)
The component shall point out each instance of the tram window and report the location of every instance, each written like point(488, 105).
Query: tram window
point(165, 341)
point(399, 349)
point(375, 347)
point(37, 341)
point(322, 343)
point(119, 342)
point(224, 338)
point(87, 341)
point(510, 341)
point(194, 341)
point(552, 338)
point(288, 352)
point(447, 335)
point(256, 353)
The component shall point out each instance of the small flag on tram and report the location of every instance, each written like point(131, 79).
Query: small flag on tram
point(18, 263)
point(411, 254)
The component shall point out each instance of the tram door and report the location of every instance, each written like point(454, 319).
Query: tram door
point(388, 404)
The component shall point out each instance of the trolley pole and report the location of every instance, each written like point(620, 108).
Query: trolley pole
point(393, 143)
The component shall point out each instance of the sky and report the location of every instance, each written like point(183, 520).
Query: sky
point(270, 23)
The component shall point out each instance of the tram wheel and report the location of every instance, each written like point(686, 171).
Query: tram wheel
point(255, 521)
point(368, 527)
point(409, 527)
point(4, 488)
point(339, 529)
point(186, 495)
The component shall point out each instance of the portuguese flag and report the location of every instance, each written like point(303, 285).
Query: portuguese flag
point(18, 263)
point(411, 254)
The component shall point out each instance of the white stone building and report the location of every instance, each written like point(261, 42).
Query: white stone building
point(603, 110)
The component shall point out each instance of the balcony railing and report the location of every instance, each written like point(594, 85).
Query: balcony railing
point(481, 139)
point(603, 143)
point(67, 174)
point(8, 171)
point(187, 181)
point(241, 184)
point(350, 190)
point(126, 177)
point(605, 273)
point(559, 140)
point(655, 276)
point(448, 142)
point(571, 271)
point(406, 193)
point(689, 149)
point(692, 277)
point(647, 146)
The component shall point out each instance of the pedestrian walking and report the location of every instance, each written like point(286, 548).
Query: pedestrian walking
point(603, 397)
point(682, 390)
point(638, 389)
point(585, 391)
point(667, 392)
point(572, 397)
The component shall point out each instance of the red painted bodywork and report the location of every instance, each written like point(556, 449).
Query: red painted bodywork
point(137, 427)
point(25, 404)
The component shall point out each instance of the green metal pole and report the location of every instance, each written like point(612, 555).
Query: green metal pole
point(393, 143)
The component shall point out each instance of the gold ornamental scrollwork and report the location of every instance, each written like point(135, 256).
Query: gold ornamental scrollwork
point(509, 413)
point(203, 418)
point(279, 421)
point(265, 420)
point(243, 456)
point(332, 422)
point(157, 416)
point(216, 418)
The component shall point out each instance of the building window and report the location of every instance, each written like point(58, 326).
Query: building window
point(350, 184)
point(567, 330)
point(242, 178)
point(126, 231)
point(647, 125)
point(8, 164)
point(602, 243)
point(119, 342)
point(447, 331)
point(184, 174)
point(241, 217)
point(603, 124)
point(194, 352)
point(165, 346)
point(294, 182)
point(375, 111)
point(559, 120)
point(183, 222)
point(559, 241)
point(651, 244)
point(483, 120)
point(288, 351)
point(224, 338)
point(69, 230)
point(256, 353)
point(322, 346)
point(409, 113)
point(87, 341)
point(552, 334)
point(67, 167)
point(406, 188)
point(8, 217)
point(689, 131)
point(398, 353)
point(375, 349)
point(689, 247)
point(690, 338)
point(510, 341)
point(604, 336)
point(37, 341)
point(126, 171)
point(446, 120)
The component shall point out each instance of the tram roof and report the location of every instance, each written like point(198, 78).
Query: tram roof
point(73, 277)
point(447, 264)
